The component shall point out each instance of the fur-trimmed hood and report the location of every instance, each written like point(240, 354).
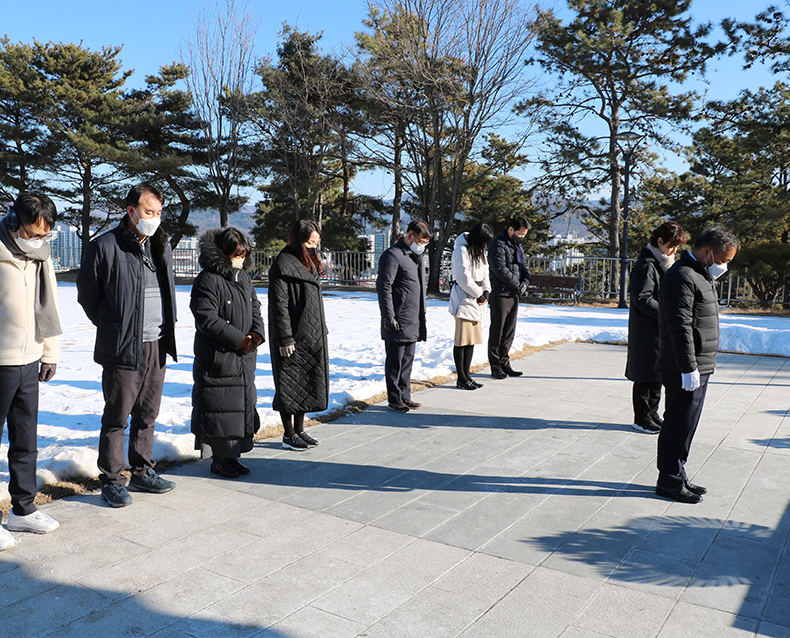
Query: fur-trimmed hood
point(213, 259)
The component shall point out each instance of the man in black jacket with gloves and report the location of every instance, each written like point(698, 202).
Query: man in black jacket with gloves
point(688, 324)
point(127, 290)
point(509, 279)
point(401, 291)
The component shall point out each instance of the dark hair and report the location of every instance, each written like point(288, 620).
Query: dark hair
point(477, 240)
point(133, 198)
point(231, 239)
point(519, 222)
point(300, 233)
point(30, 207)
point(671, 233)
point(419, 228)
point(718, 238)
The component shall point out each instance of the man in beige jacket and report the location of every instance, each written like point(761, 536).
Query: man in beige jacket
point(29, 349)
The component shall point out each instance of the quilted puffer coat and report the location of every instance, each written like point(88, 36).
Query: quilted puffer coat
point(471, 281)
point(226, 308)
point(688, 319)
point(646, 277)
point(507, 266)
point(296, 317)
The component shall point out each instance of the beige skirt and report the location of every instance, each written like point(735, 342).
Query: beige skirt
point(468, 333)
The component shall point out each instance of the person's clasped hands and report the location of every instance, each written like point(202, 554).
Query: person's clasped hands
point(482, 298)
point(522, 288)
point(249, 343)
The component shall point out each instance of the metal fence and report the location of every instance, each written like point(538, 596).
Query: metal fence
point(599, 275)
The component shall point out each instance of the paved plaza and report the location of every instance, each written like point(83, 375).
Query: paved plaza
point(523, 509)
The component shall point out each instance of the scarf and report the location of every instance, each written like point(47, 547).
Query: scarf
point(46, 312)
point(664, 261)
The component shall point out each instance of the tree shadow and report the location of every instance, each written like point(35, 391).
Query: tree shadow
point(34, 607)
point(692, 554)
point(776, 444)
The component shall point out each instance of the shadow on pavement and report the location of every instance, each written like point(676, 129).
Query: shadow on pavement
point(32, 607)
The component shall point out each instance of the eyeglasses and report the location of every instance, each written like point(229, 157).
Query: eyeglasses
point(34, 236)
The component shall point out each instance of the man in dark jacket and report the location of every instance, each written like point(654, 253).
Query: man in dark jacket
point(401, 290)
point(688, 323)
point(509, 280)
point(127, 290)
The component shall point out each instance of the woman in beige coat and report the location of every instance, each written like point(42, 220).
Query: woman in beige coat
point(468, 297)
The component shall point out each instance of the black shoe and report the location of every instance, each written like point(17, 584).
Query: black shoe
point(511, 372)
point(657, 419)
point(307, 439)
point(238, 466)
point(466, 385)
point(647, 428)
point(479, 385)
point(294, 443)
point(402, 408)
point(498, 374)
point(224, 468)
point(150, 481)
point(115, 495)
point(696, 489)
point(680, 494)
point(412, 405)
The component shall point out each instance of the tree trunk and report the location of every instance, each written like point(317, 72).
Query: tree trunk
point(182, 218)
point(397, 169)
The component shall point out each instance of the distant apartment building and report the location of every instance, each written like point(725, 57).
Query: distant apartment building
point(66, 248)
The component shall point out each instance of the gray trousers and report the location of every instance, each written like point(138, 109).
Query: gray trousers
point(137, 393)
point(19, 408)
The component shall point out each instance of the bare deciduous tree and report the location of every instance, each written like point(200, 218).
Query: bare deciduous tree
point(461, 62)
point(220, 57)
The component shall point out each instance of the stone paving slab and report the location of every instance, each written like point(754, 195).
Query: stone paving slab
point(526, 508)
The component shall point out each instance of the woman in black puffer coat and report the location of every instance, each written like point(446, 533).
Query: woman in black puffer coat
point(229, 328)
point(646, 274)
point(297, 334)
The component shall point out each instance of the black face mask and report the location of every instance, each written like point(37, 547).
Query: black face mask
point(517, 240)
point(311, 252)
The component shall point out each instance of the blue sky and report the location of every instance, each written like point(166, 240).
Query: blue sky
point(150, 31)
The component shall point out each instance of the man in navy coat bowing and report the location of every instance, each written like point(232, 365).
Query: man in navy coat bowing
point(401, 290)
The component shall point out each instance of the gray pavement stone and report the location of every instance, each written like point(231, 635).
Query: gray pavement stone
point(528, 512)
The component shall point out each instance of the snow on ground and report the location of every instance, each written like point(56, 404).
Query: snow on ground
point(71, 404)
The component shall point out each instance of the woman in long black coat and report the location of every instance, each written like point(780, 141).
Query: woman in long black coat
point(297, 334)
point(654, 260)
point(229, 328)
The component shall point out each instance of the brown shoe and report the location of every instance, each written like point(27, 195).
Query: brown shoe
point(398, 407)
point(412, 404)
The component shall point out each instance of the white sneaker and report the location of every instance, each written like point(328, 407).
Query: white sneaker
point(37, 522)
point(6, 540)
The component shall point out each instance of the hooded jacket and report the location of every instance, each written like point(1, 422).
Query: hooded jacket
point(471, 281)
point(688, 319)
point(18, 344)
point(226, 308)
point(111, 290)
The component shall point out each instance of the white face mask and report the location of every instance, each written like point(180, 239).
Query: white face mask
point(717, 270)
point(29, 245)
point(147, 227)
point(417, 249)
point(237, 263)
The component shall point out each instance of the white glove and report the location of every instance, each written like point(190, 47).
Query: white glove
point(287, 351)
point(690, 380)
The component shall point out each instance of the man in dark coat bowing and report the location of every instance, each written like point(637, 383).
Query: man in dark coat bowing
point(509, 279)
point(401, 290)
point(688, 326)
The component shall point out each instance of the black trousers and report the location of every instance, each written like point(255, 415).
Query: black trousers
point(137, 393)
point(397, 370)
point(646, 397)
point(681, 417)
point(504, 315)
point(19, 409)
